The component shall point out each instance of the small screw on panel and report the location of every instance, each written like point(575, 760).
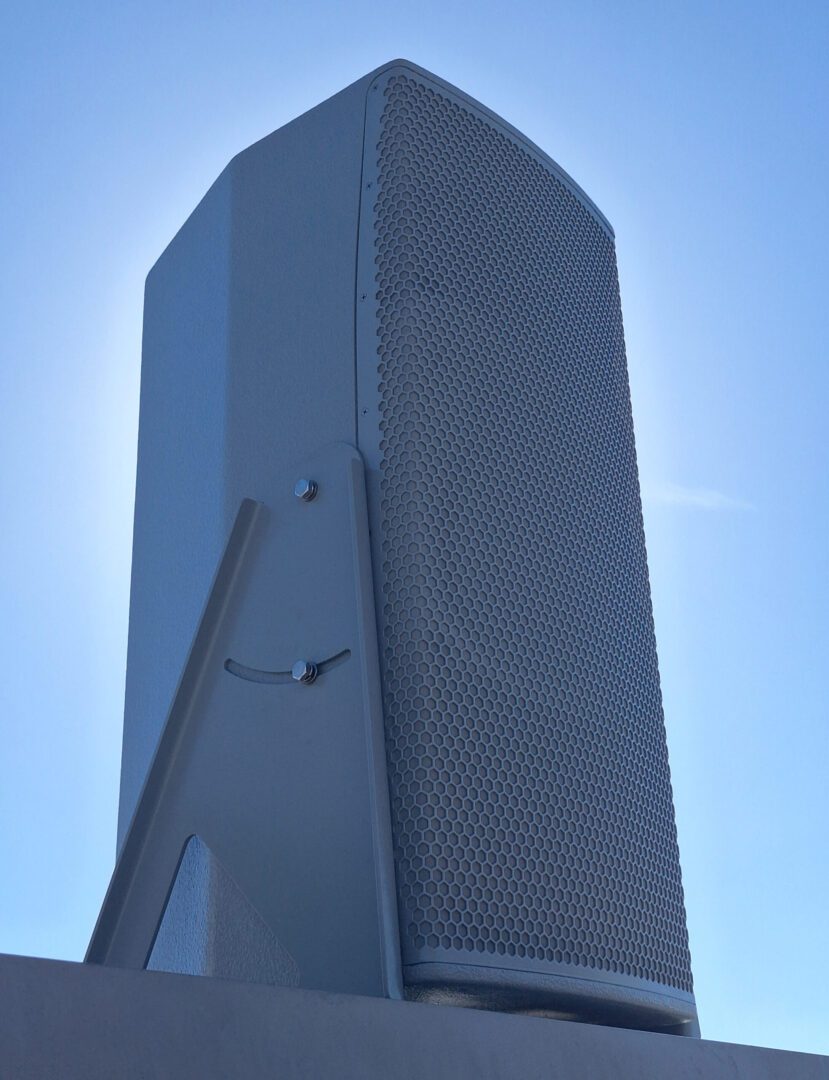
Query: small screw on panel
point(305, 489)
point(304, 671)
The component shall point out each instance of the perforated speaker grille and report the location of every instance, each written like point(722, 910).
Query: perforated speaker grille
point(531, 797)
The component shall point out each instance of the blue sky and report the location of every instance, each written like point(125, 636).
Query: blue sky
point(701, 132)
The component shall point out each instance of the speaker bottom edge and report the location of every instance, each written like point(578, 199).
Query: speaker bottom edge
point(556, 996)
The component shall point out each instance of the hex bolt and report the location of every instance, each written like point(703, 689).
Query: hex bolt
point(305, 489)
point(304, 671)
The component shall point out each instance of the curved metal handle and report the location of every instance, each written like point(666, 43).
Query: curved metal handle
point(303, 671)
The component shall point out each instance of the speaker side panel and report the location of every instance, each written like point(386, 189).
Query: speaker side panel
point(248, 366)
point(535, 845)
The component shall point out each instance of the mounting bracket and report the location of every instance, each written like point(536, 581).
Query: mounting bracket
point(283, 778)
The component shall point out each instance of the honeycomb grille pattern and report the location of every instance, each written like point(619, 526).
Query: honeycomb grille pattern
point(528, 767)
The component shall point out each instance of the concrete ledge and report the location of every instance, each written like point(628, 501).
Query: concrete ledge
point(74, 1021)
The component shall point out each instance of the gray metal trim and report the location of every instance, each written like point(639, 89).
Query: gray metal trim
point(559, 991)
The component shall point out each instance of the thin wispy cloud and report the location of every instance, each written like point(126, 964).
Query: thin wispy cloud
point(667, 494)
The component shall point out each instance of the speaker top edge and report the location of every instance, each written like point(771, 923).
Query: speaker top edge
point(402, 65)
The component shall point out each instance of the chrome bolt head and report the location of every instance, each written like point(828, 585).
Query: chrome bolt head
point(305, 489)
point(304, 671)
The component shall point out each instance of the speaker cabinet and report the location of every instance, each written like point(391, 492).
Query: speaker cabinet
point(401, 271)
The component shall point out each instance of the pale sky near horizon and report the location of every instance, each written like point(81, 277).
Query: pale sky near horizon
point(701, 132)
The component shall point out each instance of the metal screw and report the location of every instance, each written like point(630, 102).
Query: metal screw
point(305, 489)
point(304, 671)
